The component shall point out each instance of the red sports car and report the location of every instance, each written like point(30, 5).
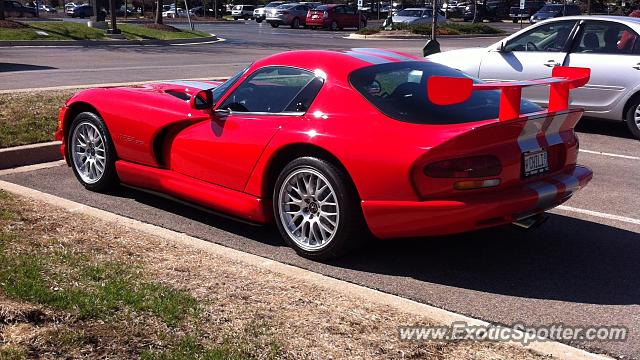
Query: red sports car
point(333, 145)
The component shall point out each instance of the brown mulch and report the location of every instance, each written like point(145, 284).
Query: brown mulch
point(161, 27)
point(10, 24)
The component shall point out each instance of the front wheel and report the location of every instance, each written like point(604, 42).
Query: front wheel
point(275, 25)
point(633, 118)
point(334, 26)
point(317, 209)
point(295, 23)
point(258, 20)
point(91, 152)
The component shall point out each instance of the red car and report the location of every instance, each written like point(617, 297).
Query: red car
point(335, 17)
point(332, 145)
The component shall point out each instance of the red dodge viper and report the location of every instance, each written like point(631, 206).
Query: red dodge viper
point(334, 144)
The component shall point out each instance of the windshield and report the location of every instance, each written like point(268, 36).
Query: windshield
point(273, 4)
point(551, 8)
point(286, 6)
point(410, 13)
point(399, 90)
point(222, 89)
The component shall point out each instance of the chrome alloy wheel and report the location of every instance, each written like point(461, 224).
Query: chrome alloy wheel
point(88, 152)
point(636, 116)
point(308, 209)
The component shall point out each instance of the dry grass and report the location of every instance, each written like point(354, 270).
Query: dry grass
point(30, 117)
point(242, 311)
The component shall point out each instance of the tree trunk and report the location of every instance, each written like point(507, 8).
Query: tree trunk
point(159, 11)
point(2, 10)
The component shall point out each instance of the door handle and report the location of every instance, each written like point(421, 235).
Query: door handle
point(637, 67)
point(551, 63)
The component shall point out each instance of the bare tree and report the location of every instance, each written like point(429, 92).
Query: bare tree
point(159, 4)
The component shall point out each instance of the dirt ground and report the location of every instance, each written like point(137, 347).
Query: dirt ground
point(240, 311)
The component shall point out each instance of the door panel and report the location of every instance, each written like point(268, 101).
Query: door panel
point(609, 49)
point(531, 55)
point(223, 151)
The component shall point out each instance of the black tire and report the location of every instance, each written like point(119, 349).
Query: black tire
point(235, 18)
point(258, 20)
point(350, 231)
point(363, 24)
point(515, 21)
point(109, 177)
point(246, 18)
point(334, 26)
point(295, 23)
point(274, 25)
point(634, 126)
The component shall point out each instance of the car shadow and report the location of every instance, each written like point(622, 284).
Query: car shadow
point(7, 67)
point(566, 259)
point(604, 127)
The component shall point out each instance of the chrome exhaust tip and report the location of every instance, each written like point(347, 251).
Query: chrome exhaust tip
point(531, 222)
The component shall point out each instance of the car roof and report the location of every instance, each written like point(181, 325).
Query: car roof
point(626, 19)
point(421, 9)
point(335, 63)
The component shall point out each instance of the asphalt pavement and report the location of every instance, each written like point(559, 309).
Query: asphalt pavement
point(32, 67)
point(580, 268)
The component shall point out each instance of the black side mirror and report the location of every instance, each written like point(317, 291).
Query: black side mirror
point(202, 100)
point(502, 48)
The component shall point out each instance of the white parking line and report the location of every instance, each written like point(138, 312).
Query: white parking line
point(600, 214)
point(610, 154)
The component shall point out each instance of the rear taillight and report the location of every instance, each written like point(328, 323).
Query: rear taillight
point(469, 167)
point(325, 14)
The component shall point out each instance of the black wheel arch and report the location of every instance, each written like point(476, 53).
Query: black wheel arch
point(75, 109)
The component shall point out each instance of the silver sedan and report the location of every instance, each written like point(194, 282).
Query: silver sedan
point(609, 45)
point(288, 14)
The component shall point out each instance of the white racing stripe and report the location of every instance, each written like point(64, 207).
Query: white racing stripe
point(600, 214)
point(610, 154)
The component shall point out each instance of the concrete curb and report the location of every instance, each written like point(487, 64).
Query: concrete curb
point(355, 36)
point(87, 43)
point(29, 154)
point(437, 315)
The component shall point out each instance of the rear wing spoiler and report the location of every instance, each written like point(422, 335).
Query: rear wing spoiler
point(445, 90)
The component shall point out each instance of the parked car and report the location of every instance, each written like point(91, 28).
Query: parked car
point(550, 11)
point(14, 8)
point(47, 9)
point(335, 17)
point(200, 11)
point(260, 14)
point(530, 7)
point(174, 14)
point(242, 11)
point(609, 45)
point(491, 11)
point(69, 6)
point(311, 4)
point(81, 11)
point(415, 16)
point(365, 145)
point(293, 14)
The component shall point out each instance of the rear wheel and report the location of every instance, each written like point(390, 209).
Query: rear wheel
point(316, 209)
point(295, 23)
point(363, 24)
point(633, 117)
point(274, 24)
point(515, 21)
point(258, 20)
point(91, 152)
point(334, 26)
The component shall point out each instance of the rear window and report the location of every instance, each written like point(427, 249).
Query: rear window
point(399, 90)
point(323, 8)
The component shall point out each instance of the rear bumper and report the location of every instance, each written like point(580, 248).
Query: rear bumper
point(389, 219)
point(318, 22)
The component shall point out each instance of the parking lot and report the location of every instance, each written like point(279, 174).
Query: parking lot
point(580, 268)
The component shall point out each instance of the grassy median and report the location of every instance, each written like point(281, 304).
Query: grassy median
point(449, 28)
point(63, 30)
point(30, 117)
point(74, 286)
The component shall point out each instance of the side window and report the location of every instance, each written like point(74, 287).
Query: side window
point(350, 11)
point(275, 89)
point(339, 10)
point(548, 38)
point(606, 38)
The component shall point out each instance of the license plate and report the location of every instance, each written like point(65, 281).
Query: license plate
point(535, 162)
point(314, 16)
